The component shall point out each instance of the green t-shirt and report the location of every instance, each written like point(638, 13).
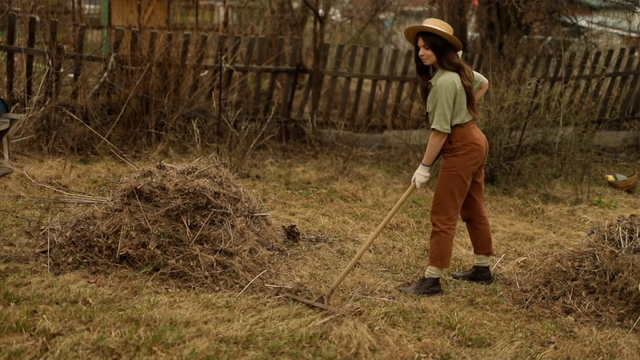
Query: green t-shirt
point(447, 101)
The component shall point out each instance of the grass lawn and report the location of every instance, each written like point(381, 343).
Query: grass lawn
point(121, 314)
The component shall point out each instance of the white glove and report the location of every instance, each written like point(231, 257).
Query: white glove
point(421, 176)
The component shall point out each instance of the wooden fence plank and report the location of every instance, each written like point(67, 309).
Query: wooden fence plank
point(77, 68)
point(590, 90)
point(260, 61)
point(567, 65)
point(50, 76)
point(582, 66)
point(167, 52)
point(307, 90)
point(181, 70)
point(595, 94)
point(332, 84)
point(197, 71)
point(150, 58)
point(374, 85)
point(358, 94)
point(382, 109)
point(286, 101)
point(11, 64)
point(151, 86)
point(626, 109)
point(241, 91)
point(415, 98)
point(31, 43)
point(408, 56)
point(230, 60)
point(269, 104)
point(534, 82)
point(622, 87)
point(612, 80)
point(346, 89)
point(133, 47)
point(218, 75)
point(548, 93)
point(115, 49)
point(544, 79)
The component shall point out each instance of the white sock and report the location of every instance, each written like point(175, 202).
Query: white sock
point(482, 260)
point(432, 272)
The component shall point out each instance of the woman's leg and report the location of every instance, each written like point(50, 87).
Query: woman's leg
point(474, 214)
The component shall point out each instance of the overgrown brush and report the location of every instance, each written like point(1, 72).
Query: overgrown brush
point(598, 281)
point(192, 225)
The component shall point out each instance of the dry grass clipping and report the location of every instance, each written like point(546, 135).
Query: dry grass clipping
point(598, 282)
point(193, 226)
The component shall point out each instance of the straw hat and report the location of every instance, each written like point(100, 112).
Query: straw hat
point(434, 26)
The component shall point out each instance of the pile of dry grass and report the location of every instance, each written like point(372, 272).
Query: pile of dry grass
point(193, 226)
point(598, 282)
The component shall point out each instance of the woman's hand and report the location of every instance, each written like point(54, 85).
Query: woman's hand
point(421, 176)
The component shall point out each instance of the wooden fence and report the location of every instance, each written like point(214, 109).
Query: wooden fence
point(360, 88)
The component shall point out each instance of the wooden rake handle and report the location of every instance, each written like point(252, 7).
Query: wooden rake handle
point(367, 244)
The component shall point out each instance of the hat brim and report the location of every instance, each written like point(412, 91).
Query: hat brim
point(411, 32)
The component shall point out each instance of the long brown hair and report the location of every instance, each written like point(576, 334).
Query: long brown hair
point(447, 59)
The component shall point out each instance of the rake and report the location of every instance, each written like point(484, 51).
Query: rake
point(323, 302)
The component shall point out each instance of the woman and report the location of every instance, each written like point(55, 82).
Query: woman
point(451, 91)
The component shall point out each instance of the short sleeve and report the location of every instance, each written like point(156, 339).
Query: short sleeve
point(478, 80)
point(440, 105)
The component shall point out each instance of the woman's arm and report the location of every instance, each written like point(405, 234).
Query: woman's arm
point(481, 90)
point(436, 141)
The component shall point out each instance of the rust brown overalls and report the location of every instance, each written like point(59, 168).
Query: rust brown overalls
point(459, 192)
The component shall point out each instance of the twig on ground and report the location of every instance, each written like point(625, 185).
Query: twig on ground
point(146, 220)
point(497, 262)
point(634, 325)
point(250, 282)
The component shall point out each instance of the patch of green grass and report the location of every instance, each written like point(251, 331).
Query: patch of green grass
point(602, 203)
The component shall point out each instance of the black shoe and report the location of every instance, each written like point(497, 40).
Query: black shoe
point(426, 286)
point(480, 274)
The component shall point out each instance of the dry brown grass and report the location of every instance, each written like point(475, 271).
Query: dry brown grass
point(122, 315)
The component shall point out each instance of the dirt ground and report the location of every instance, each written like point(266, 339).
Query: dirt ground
point(335, 202)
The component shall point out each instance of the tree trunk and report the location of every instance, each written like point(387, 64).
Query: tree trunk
point(455, 13)
point(502, 25)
